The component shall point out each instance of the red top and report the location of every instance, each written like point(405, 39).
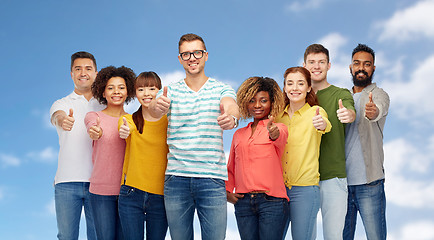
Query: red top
point(255, 162)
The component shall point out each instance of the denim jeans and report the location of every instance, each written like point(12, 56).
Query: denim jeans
point(370, 201)
point(137, 207)
point(106, 217)
point(334, 196)
point(304, 202)
point(260, 216)
point(182, 195)
point(70, 197)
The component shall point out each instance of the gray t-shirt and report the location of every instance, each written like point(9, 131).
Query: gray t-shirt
point(355, 164)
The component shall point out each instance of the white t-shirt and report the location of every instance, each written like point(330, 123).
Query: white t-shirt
point(75, 152)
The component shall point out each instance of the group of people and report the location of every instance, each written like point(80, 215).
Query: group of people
point(310, 145)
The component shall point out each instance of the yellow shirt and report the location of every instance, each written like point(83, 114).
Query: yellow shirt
point(146, 156)
point(300, 159)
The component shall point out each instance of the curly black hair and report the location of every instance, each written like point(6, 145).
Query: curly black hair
point(103, 76)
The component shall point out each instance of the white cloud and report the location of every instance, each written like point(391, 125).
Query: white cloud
point(421, 230)
point(410, 97)
point(406, 165)
point(47, 155)
point(410, 23)
point(171, 77)
point(9, 160)
point(44, 116)
point(50, 208)
point(298, 6)
point(338, 74)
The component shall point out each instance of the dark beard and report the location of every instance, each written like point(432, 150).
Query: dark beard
point(362, 83)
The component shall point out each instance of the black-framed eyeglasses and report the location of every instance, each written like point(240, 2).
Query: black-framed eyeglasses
point(198, 54)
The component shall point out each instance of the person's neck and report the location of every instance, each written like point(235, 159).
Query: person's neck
point(357, 89)
point(320, 85)
point(86, 94)
point(114, 110)
point(295, 106)
point(195, 82)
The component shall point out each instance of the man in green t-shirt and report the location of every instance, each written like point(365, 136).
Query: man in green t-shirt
point(339, 105)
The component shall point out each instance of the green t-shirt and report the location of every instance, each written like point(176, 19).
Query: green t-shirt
point(332, 149)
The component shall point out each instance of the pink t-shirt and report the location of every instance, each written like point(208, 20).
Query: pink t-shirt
point(107, 155)
point(254, 162)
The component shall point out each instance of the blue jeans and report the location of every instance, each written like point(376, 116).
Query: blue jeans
point(370, 201)
point(136, 207)
point(70, 197)
point(304, 202)
point(260, 216)
point(182, 195)
point(106, 216)
point(334, 197)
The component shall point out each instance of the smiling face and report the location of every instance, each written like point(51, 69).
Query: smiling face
point(318, 65)
point(296, 87)
point(259, 106)
point(115, 91)
point(362, 68)
point(146, 94)
point(193, 66)
point(83, 73)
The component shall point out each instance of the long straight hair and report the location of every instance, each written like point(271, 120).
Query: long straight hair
point(145, 79)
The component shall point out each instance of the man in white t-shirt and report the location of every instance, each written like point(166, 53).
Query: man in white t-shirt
point(71, 184)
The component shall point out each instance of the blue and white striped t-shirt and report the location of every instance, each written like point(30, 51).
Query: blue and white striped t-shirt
point(194, 137)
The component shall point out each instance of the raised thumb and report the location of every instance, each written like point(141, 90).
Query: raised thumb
point(340, 104)
point(370, 98)
point(71, 112)
point(317, 111)
point(125, 121)
point(222, 109)
point(165, 91)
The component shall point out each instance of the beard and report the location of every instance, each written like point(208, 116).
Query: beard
point(362, 82)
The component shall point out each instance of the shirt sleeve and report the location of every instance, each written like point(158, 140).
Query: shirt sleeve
point(228, 91)
point(230, 183)
point(347, 99)
point(90, 119)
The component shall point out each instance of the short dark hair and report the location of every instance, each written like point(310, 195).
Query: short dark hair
point(189, 37)
point(363, 48)
point(316, 48)
point(83, 54)
point(103, 76)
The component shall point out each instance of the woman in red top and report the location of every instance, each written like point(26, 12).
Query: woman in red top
point(254, 167)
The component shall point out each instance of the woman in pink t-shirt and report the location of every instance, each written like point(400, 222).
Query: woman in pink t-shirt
point(112, 87)
point(254, 167)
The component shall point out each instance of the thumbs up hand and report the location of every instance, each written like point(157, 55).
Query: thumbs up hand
point(273, 130)
point(163, 103)
point(95, 132)
point(318, 121)
point(68, 121)
point(225, 121)
point(371, 110)
point(345, 115)
point(124, 129)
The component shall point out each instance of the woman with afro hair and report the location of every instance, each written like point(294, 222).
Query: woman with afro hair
point(254, 167)
point(112, 87)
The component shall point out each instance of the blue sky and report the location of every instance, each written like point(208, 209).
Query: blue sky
point(244, 38)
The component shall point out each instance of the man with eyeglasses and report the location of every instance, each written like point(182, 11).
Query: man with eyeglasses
point(199, 108)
